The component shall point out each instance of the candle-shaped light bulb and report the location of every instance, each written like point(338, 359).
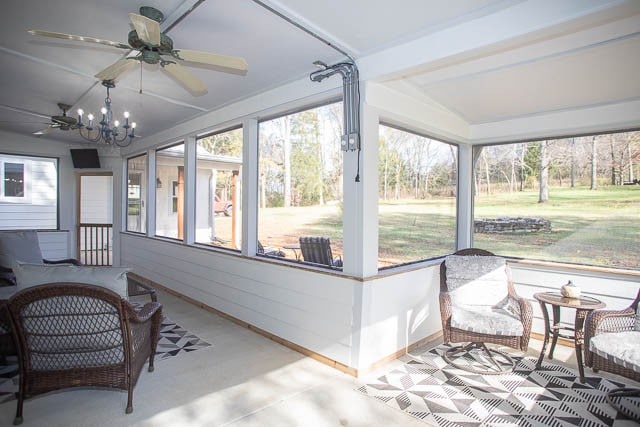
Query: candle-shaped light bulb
point(103, 110)
point(116, 123)
point(126, 114)
point(90, 117)
point(80, 112)
point(133, 125)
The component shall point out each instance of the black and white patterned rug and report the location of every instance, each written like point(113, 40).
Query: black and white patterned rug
point(174, 340)
point(428, 388)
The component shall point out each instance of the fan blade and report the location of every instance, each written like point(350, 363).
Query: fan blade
point(228, 64)
point(78, 38)
point(44, 131)
point(187, 79)
point(116, 69)
point(148, 30)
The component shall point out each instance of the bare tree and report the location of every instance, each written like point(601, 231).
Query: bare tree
point(486, 170)
point(544, 173)
point(573, 162)
point(594, 163)
point(286, 135)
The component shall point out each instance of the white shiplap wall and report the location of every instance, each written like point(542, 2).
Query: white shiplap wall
point(617, 291)
point(313, 310)
point(354, 322)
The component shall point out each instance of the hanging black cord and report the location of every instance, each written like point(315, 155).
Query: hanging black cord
point(359, 132)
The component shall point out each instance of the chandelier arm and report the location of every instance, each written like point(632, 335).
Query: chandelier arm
point(104, 132)
point(88, 137)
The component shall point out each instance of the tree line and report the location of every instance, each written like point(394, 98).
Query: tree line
point(300, 162)
point(605, 159)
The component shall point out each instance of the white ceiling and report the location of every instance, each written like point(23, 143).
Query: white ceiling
point(573, 54)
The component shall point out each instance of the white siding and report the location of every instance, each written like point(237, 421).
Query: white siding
point(54, 244)
point(38, 209)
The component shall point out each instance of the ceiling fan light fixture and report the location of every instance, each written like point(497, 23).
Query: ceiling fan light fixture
point(152, 46)
point(152, 13)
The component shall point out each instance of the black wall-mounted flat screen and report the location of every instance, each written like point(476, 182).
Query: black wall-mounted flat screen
point(85, 158)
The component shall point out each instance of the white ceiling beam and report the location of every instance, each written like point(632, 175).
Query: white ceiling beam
point(564, 45)
point(522, 24)
point(580, 121)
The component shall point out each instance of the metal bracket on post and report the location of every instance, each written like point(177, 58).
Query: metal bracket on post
point(351, 99)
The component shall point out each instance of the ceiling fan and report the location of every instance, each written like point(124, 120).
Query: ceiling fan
point(62, 122)
point(155, 47)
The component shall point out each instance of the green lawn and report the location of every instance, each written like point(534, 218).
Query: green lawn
point(599, 227)
point(589, 227)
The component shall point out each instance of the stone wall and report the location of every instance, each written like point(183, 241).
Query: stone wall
point(511, 225)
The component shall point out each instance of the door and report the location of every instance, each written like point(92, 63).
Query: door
point(95, 218)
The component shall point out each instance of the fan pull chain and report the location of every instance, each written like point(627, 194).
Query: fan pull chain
point(140, 77)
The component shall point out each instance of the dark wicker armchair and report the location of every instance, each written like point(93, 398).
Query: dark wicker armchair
point(515, 309)
point(72, 335)
point(318, 251)
point(610, 338)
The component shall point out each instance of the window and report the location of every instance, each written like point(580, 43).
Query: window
point(28, 193)
point(218, 189)
point(170, 191)
point(137, 194)
point(300, 180)
point(572, 200)
point(13, 180)
point(417, 197)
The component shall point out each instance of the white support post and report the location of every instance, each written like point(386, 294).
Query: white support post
point(151, 193)
point(250, 187)
point(189, 214)
point(360, 200)
point(464, 203)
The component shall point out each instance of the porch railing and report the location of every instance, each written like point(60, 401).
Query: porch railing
point(95, 244)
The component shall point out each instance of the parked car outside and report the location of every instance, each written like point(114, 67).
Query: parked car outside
point(223, 206)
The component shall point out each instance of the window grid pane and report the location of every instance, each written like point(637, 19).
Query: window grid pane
point(573, 200)
point(219, 189)
point(300, 184)
point(417, 197)
point(137, 194)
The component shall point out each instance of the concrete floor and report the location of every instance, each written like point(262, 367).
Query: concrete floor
point(243, 379)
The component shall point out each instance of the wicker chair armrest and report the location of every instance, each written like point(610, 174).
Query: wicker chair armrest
point(599, 321)
point(62, 261)
point(140, 288)
point(526, 311)
point(145, 313)
point(445, 305)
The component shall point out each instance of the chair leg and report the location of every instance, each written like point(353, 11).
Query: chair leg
point(628, 392)
point(129, 400)
point(498, 361)
point(18, 419)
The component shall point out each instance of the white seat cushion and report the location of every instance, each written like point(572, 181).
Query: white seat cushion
point(623, 348)
point(113, 278)
point(486, 320)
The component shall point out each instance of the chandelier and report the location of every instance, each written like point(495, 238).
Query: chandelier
point(106, 131)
